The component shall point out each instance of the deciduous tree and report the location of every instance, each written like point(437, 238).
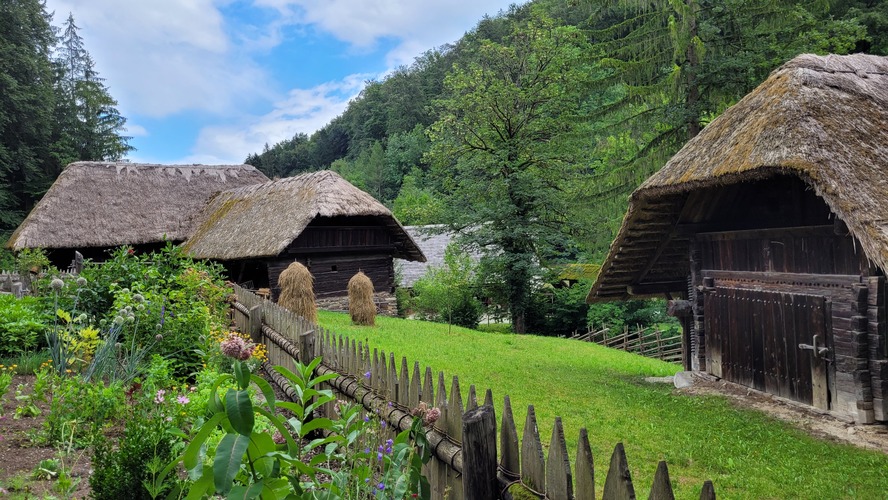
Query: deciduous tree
point(508, 143)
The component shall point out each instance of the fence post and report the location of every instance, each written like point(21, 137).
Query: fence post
point(307, 347)
point(255, 324)
point(479, 454)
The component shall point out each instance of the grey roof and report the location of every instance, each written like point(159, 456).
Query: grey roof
point(433, 244)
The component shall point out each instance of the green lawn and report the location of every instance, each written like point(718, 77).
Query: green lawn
point(744, 453)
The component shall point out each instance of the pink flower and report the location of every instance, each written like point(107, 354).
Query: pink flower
point(432, 416)
point(183, 400)
point(236, 347)
point(158, 398)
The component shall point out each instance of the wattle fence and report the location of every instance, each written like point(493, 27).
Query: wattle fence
point(465, 440)
point(648, 342)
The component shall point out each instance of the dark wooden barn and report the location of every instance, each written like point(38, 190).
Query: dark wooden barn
point(318, 219)
point(94, 207)
point(770, 231)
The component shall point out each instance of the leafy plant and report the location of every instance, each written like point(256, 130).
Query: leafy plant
point(22, 324)
point(446, 294)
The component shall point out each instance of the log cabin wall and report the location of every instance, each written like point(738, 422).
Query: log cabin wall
point(778, 239)
point(334, 249)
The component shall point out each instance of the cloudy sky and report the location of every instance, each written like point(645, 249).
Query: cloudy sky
point(210, 81)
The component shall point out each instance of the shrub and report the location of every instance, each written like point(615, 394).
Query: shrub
point(22, 323)
point(297, 292)
point(558, 311)
point(360, 300)
point(446, 294)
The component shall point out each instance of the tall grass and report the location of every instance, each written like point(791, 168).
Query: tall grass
point(745, 453)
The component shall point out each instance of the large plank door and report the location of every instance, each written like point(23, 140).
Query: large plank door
point(771, 341)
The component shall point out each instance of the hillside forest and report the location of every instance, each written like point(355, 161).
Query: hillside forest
point(524, 137)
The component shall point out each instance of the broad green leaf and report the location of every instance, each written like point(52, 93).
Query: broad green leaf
point(189, 458)
point(229, 456)
point(242, 375)
point(246, 492)
point(262, 444)
point(266, 389)
point(202, 486)
point(240, 411)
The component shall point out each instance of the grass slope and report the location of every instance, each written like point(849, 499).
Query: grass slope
point(745, 453)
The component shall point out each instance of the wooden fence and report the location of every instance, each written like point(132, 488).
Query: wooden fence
point(649, 342)
point(465, 438)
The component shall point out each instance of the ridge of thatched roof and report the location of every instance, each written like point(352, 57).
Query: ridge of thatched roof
point(106, 204)
point(262, 220)
point(823, 119)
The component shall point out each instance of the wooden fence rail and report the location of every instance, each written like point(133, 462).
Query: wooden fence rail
point(465, 438)
point(649, 342)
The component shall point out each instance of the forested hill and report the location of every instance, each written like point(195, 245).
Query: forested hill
point(655, 74)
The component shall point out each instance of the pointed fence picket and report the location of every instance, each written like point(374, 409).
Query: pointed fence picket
point(464, 461)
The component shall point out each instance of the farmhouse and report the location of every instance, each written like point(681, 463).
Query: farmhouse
point(318, 219)
point(772, 223)
point(96, 206)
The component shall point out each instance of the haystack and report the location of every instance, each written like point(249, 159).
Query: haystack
point(360, 300)
point(297, 291)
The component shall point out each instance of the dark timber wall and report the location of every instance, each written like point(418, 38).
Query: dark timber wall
point(335, 249)
point(770, 270)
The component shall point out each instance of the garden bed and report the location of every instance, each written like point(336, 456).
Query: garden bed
point(21, 456)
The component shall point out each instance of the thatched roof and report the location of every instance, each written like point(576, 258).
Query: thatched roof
point(99, 204)
point(262, 220)
point(821, 119)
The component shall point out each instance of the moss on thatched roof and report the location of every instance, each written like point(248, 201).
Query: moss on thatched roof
point(262, 220)
point(823, 119)
point(100, 204)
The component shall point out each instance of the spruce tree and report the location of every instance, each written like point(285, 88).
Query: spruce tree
point(27, 99)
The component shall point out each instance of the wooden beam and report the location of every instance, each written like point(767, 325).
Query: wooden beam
point(659, 287)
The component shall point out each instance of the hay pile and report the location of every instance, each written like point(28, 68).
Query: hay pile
point(360, 300)
point(297, 291)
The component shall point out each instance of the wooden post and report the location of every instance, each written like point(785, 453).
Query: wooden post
point(307, 347)
point(255, 324)
point(479, 454)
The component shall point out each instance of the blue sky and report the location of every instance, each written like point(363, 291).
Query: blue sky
point(210, 81)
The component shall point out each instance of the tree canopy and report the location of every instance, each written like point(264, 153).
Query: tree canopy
point(54, 107)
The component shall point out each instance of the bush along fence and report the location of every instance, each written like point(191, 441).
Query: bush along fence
point(648, 342)
point(464, 439)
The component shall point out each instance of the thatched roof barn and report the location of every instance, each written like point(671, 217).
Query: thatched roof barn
point(317, 218)
point(104, 205)
point(823, 120)
point(785, 193)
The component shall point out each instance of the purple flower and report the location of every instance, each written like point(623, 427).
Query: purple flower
point(367, 375)
point(382, 424)
point(183, 400)
point(366, 418)
point(379, 456)
point(381, 486)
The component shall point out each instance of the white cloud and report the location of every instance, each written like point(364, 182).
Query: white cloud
point(418, 24)
point(303, 111)
point(134, 130)
point(162, 57)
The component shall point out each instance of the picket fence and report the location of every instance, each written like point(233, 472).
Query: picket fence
point(648, 342)
point(465, 438)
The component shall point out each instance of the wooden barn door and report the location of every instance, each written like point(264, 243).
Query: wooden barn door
point(775, 342)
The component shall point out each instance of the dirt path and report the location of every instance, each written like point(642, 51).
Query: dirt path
point(814, 422)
